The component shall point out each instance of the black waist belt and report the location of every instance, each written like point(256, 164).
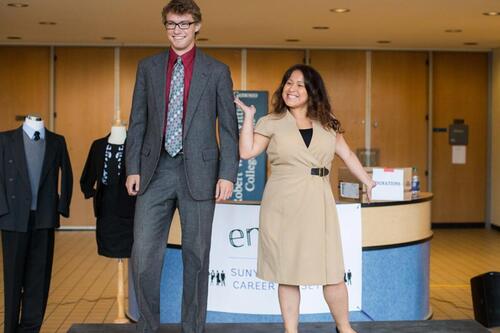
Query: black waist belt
point(322, 172)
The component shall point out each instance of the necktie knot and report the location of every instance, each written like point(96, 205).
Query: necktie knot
point(36, 136)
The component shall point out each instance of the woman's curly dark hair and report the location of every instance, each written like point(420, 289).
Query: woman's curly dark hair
point(318, 102)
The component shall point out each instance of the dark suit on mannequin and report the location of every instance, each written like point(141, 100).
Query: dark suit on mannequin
point(27, 234)
point(186, 181)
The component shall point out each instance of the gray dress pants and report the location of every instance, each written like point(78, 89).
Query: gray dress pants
point(153, 215)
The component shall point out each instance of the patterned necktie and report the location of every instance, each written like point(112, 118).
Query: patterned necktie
point(173, 135)
point(36, 136)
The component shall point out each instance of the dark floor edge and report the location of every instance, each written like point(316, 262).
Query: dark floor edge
point(453, 225)
point(416, 326)
point(495, 227)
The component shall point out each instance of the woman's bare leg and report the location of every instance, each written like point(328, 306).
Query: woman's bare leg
point(289, 297)
point(337, 299)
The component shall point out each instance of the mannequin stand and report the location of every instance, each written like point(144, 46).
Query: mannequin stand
point(120, 296)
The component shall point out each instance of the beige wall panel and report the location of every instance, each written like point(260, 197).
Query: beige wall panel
point(84, 105)
point(24, 84)
point(495, 141)
point(399, 108)
point(129, 59)
point(344, 73)
point(232, 58)
point(460, 91)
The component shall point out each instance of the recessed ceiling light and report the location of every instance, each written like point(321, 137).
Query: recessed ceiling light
point(292, 40)
point(201, 39)
point(47, 23)
point(453, 30)
point(14, 37)
point(321, 28)
point(492, 13)
point(340, 10)
point(470, 43)
point(384, 41)
point(17, 5)
point(108, 38)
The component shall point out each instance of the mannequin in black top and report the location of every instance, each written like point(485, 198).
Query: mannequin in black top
point(103, 178)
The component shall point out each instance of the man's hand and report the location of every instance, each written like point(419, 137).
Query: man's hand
point(223, 190)
point(132, 184)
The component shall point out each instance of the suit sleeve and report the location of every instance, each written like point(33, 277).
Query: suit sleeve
point(137, 123)
point(228, 128)
point(66, 182)
point(89, 174)
point(4, 208)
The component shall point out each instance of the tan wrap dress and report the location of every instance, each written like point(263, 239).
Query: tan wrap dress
point(299, 234)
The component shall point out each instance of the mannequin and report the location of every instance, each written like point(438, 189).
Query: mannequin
point(103, 178)
point(31, 160)
point(34, 121)
point(118, 133)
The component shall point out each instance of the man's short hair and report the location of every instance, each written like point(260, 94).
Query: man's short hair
point(181, 7)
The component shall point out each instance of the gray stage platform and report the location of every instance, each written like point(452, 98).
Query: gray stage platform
point(427, 326)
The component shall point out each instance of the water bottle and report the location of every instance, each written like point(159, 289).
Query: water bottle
point(415, 183)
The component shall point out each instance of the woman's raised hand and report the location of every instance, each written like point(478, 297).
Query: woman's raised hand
point(249, 111)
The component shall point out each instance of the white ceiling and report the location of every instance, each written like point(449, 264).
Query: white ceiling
point(408, 24)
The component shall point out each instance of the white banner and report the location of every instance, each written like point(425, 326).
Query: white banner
point(233, 286)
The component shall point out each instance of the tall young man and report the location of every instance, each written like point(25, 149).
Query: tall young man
point(173, 161)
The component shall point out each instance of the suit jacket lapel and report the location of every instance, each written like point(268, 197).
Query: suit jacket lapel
point(20, 156)
point(159, 74)
point(198, 83)
point(50, 154)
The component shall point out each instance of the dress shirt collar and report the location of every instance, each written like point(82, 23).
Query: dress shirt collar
point(187, 58)
point(30, 131)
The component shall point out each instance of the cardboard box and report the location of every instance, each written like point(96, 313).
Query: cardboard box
point(390, 184)
point(346, 190)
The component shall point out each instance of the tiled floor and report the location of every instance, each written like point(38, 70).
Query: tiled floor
point(84, 285)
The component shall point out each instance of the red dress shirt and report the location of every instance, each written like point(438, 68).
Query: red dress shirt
point(188, 62)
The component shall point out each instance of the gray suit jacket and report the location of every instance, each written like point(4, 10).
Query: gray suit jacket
point(210, 97)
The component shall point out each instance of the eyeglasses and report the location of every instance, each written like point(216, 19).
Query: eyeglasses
point(182, 25)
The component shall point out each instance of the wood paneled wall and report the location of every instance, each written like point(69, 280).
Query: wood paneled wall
point(232, 58)
point(344, 74)
point(24, 84)
point(85, 106)
point(495, 141)
point(460, 92)
point(399, 109)
point(129, 59)
point(85, 109)
point(265, 68)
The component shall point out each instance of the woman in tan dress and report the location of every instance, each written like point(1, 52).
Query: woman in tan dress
point(299, 236)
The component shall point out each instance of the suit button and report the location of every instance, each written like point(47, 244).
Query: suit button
point(11, 179)
point(10, 161)
point(13, 197)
